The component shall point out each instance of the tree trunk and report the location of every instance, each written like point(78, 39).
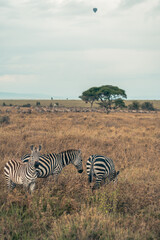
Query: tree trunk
point(91, 104)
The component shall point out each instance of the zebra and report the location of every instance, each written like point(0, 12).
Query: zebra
point(19, 173)
point(52, 163)
point(102, 168)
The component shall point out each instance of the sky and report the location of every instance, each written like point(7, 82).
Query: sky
point(60, 48)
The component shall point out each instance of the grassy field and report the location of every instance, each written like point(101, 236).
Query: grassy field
point(69, 210)
point(69, 103)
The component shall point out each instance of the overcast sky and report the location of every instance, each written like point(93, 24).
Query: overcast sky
point(61, 47)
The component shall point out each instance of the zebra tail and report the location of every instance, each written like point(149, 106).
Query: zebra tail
point(90, 177)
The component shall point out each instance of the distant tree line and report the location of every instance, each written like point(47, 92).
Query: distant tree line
point(108, 97)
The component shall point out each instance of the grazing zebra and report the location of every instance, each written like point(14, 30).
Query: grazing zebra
point(52, 163)
point(17, 172)
point(102, 168)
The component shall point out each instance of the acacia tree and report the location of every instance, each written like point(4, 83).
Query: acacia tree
point(90, 95)
point(107, 95)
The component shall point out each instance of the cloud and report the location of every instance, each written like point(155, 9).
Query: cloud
point(156, 9)
point(64, 46)
point(16, 78)
point(130, 3)
point(4, 3)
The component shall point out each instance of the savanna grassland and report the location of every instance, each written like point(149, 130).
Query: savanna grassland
point(68, 209)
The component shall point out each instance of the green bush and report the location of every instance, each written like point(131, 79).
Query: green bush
point(147, 106)
point(119, 103)
point(134, 106)
point(26, 105)
point(38, 104)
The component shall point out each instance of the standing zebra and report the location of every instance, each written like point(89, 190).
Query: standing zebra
point(102, 168)
point(52, 163)
point(17, 172)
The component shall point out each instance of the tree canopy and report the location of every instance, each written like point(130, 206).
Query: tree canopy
point(107, 95)
point(90, 95)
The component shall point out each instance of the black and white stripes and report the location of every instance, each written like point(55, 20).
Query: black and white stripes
point(52, 164)
point(17, 172)
point(101, 168)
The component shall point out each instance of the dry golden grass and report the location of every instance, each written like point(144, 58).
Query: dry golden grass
point(68, 210)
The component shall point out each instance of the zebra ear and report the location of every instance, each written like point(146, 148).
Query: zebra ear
point(31, 147)
point(40, 147)
point(117, 173)
point(79, 151)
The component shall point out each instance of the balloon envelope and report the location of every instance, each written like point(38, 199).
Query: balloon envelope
point(95, 10)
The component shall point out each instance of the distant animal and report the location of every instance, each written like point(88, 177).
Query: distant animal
point(101, 168)
point(52, 163)
point(19, 173)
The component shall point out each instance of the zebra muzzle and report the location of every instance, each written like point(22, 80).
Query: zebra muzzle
point(36, 165)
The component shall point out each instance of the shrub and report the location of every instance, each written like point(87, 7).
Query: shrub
point(51, 105)
point(38, 104)
point(134, 106)
point(4, 119)
point(147, 106)
point(119, 103)
point(26, 105)
point(3, 104)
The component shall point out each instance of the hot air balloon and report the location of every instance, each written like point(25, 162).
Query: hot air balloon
point(95, 10)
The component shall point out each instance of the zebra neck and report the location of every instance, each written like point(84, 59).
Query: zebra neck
point(65, 159)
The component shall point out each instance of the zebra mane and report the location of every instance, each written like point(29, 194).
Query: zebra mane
point(70, 151)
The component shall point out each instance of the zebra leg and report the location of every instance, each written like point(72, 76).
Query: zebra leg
point(25, 186)
point(55, 176)
point(31, 187)
point(98, 182)
point(10, 184)
point(106, 180)
point(56, 173)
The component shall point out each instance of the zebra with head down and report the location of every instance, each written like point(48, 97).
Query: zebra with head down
point(101, 168)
